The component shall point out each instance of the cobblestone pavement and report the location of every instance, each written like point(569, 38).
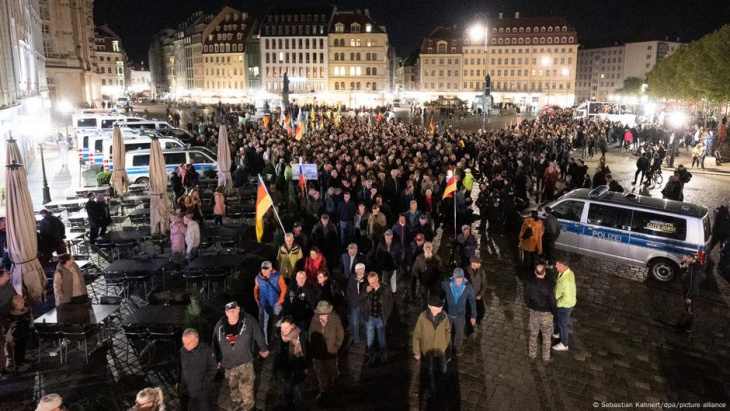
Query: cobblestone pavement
point(624, 345)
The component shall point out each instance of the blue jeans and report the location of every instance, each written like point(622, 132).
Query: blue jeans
point(346, 232)
point(355, 320)
point(562, 323)
point(373, 325)
point(265, 313)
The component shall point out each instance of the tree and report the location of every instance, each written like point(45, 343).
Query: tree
point(632, 86)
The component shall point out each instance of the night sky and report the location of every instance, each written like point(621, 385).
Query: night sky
point(598, 22)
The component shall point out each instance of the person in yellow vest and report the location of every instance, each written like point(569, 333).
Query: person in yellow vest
point(468, 182)
point(565, 297)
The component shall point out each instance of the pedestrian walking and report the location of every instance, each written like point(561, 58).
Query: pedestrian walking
point(292, 363)
point(63, 147)
point(235, 337)
point(475, 274)
point(459, 292)
point(431, 339)
point(269, 291)
point(377, 306)
point(325, 339)
point(356, 287)
point(565, 296)
point(692, 274)
point(531, 235)
point(198, 367)
point(192, 236)
point(551, 235)
point(541, 303)
point(288, 257)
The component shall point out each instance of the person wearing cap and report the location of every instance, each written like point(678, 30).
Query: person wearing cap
point(326, 336)
point(300, 238)
point(377, 224)
point(376, 305)
point(565, 296)
point(51, 402)
point(692, 274)
point(235, 336)
point(356, 287)
point(389, 258)
point(348, 261)
point(288, 257)
point(269, 291)
point(198, 367)
point(530, 240)
point(431, 339)
point(475, 274)
point(459, 292)
point(324, 235)
point(301, 298)
point(467, 245)
point(541, 303)
point(424, 227)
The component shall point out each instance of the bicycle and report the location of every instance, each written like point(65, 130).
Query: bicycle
point(656, 178)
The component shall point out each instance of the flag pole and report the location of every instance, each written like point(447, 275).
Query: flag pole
point(456, 229)
point(272, 205)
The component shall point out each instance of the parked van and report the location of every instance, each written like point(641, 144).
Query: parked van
point(632, 229)
point(148, 124)
point(90, 146)
point(96, 122)
point(141, 142)
point(138, 161)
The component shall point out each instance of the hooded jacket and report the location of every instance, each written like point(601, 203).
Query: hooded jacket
point(457, 307)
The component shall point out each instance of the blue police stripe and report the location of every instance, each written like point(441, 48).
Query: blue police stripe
point(626, 237)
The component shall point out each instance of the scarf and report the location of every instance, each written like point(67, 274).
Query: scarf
point(456, 289)
point(295, 349)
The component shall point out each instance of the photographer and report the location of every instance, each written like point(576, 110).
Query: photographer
point(693, 273)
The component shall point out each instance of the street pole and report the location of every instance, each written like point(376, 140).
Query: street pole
point(46, 190)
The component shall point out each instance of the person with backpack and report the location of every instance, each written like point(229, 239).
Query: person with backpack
point(269, 292)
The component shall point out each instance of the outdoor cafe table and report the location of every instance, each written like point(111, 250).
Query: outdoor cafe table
point(121, 236)
point(157, 315)
point(136, 265)
point(78, 314)
point(217, 261)
point(64, 203)
point(221, 231)
point(139, 212)
point(84, 191)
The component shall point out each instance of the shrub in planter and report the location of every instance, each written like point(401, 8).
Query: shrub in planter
point(193, 316)
point(97, 402)
point(103, 178)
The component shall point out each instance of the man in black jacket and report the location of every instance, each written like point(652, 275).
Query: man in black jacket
point(642, 167)
point(198, 367)
point(52, 233)
point(234, 337)
point(693, 273)
point(300, 300)
point(540, 300)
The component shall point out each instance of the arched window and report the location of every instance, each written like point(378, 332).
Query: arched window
point(358, 71)
point(358, 86)
point(357, 56)
point(565, 28)
point(542, 40)
point(337, 57)
point(367, 86)
point(521, 40)
point(494, 41)
point(522, 29)
point(337, 71)
point(337, 86)
point(367, 56)
point(352, 56)
point(352, 42)
point(550, 29)
point(529, 30)
point(514, 41)
point(205, 48)
point(534, 40)
point(374, 57)
point(342, 55)
point(527, 40)
point(564, 40)
point(367, 72)
point(375, 86)
point(571, 39)
point(352, 71)
point(501, 30)
point(352, 85)
point(507, 30)
point(500, 41)
point(215, 47)
point(550, 40)
point(375, 71)
point(556, 40)
point(228, 47)
point(542, 29)
point(342, 85)
point(557, 28)
point(357, 42)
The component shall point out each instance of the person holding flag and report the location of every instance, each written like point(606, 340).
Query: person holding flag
point(450, 190)
point(263, 203)
point(380, 117)
point(431, 128)
point(302, 179)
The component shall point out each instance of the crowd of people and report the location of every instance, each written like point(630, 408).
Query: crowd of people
point(366, 226)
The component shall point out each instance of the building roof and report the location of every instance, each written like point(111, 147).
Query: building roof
point(348, 17)
point(292, 21)
point(453, 35)
point(104, 39)
point(229, 22)
point(532, 22)
point(411, 59)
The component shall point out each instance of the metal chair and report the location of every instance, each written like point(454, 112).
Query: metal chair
point(109, 247)
point(194, 277)
point(235, 217)
point(138, 339)
point(137, 279)
point(116, 279)
point(139, 220)
point(162, 334)
point(129, 204)
point(127, 247)
point(80, 334)
point(215, 277)
point(50, 333)
point(206, 246)
point(227, 244)
point(112, 300)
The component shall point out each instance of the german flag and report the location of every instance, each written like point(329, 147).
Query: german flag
point(300, 131)
point(380, 117)
point(263, 203)
point(431, 129)
point(450, 185)
point(267, 120)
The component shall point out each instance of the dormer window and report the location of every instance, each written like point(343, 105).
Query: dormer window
point(339, 28)
point(368, 28)
point(355, 28)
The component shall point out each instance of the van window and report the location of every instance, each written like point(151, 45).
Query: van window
point(200, 158)
point(141, 160)
point(174, 158)
point(608, 216)
point(706, 226)
point(86, 122)
point(108, 123)
point(132, 125)
point(85, 142)
point(660, 225)
point(98, 145)
point(569, 210)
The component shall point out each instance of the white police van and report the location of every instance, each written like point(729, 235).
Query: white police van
point(141, 142)
point(138, 161)
point(631, 229)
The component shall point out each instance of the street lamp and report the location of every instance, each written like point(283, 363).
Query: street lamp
point(65, 107)
point(478, 33)
point(548, 62)
point(46, 190)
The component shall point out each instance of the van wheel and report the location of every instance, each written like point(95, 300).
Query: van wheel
point(663, 269)
point(143, 180)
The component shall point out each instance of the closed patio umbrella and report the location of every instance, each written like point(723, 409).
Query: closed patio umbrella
point(224, 160)
point(13, 152)
point(22, 239)
point(119, 181)
point(159, 201)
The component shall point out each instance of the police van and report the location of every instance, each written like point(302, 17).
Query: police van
point(91, 145)
point(631, 229)
point(141, 142)
point(84, 123)
point(148, 124)
point(138, 162)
